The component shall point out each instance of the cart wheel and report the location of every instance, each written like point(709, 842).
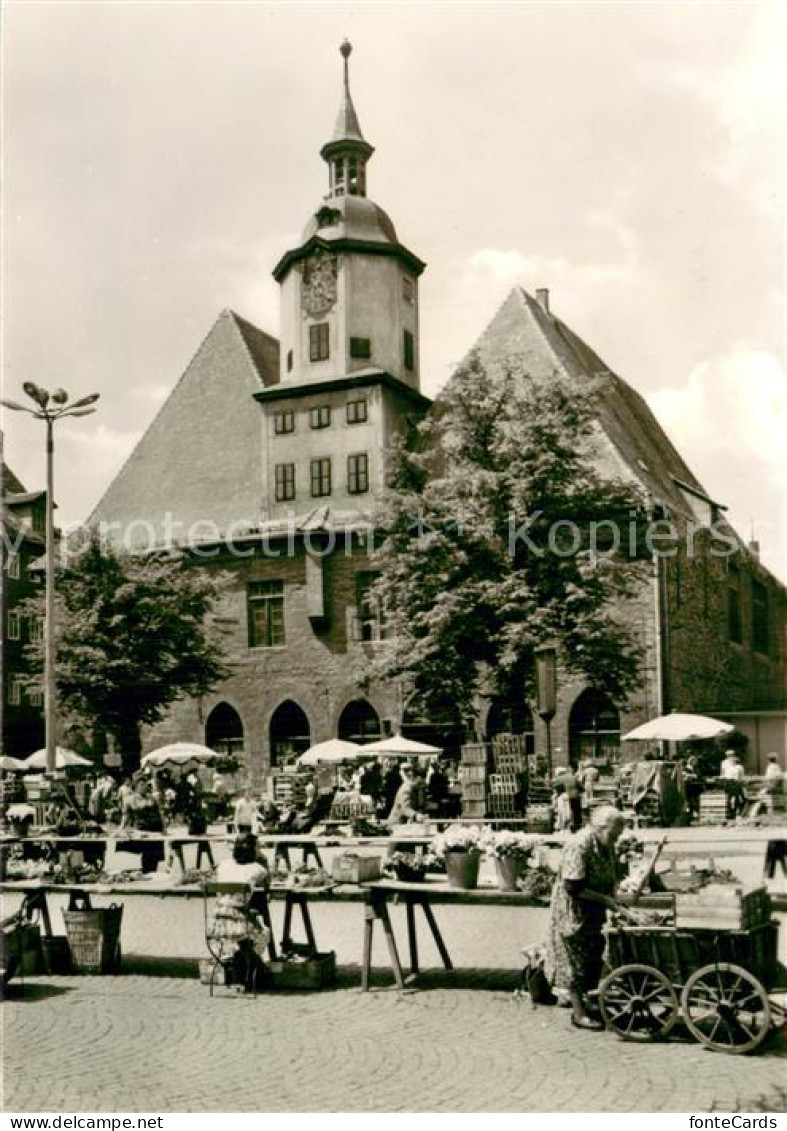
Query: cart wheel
point(726, 1008)
point(638, 1003)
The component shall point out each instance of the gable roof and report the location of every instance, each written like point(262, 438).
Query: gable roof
point(200, 459)
point(636, 444)
point(11, 485)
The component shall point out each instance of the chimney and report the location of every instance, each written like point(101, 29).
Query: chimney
point(754, 548)
point(542, 298)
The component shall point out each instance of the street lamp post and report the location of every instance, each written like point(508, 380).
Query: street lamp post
point(546, 687)
point(49, 408)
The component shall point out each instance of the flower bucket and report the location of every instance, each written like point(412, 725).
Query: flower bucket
point(509, 869)
point(462, 868)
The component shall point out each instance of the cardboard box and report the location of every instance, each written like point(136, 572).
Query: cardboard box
point(350, 868)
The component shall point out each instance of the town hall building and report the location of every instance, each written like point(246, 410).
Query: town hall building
point(268, 459)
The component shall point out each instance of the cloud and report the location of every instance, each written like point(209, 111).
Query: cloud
point(508, 266)
point(730, 420)
point(747, 98)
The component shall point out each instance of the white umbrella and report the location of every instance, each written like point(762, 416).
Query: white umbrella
point(334, 751)
point(64, 760)
point(182, 754)
point(399, 747)
point(8, 763)
point(679, 728)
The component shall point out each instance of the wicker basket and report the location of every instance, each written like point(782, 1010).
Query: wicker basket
point(94, 938)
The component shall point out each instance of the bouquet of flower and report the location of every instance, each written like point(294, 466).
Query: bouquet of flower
point(409, 867)
point(629, 846)
point(460, 838)
point(504, 844)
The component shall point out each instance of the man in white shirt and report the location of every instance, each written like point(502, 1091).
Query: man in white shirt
point(733, 774)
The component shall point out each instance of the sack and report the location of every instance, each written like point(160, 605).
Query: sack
point(536, 984)
point(198, 825)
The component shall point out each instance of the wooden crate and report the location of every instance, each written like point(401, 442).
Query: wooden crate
point(502, 783)
point(474, 773)
point(474, 791)
point(312, 974)
point(502, 805)
point(538, 818)
point(713, 807)
point(473, 808)
point(678, 953)
point(475, 754)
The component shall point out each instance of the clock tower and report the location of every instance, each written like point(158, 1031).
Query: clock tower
point(349, 291)
point(349, 362)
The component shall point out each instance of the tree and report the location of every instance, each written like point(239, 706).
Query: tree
point(490, 546)
point(133, 634)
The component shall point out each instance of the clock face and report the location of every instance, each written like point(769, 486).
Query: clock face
point(318, 293)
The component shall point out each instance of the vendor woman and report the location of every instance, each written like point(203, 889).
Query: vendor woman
point(581, 897)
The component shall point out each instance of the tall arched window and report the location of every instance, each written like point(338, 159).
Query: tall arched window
point(359, 722)
point(289, 732)
point(439, 725)
point(224, 730)
point(594, 727)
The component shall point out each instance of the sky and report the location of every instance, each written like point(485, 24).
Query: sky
point(158, 158)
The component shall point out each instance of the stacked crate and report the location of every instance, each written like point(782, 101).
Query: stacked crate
point(713, 807)
point(509, 757)
point(473, 779)
point(289, 790)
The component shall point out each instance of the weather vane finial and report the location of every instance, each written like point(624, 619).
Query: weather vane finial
point(346, 48)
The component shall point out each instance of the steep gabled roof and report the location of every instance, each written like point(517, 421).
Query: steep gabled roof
point(200, 459)
point(634, 440)
point(263, 349)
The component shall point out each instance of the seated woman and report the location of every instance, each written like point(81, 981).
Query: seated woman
point(234, 920)
point(581, 897)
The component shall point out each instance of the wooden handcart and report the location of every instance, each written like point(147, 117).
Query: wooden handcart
point(717, 981)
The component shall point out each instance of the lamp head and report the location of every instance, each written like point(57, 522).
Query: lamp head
point(60, 396)
point(39, 395)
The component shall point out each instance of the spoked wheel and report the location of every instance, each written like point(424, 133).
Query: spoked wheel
point(726, 1008)
point(638, 1003)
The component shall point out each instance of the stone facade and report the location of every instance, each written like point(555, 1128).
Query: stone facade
point(212, 461)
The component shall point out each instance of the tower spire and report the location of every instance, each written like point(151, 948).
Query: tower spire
point(348, 151)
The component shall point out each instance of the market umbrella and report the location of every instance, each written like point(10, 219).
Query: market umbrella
point(333, 751)
point(678, 728)
point(14, 765)
point(399, 747)
point(64, 760)
point(185, 755)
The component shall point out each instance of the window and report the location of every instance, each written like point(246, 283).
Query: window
point(289, 361)
point(321, 477)
point(36, 629)
point(265, 605)
point(356, 411)
point(318, 342)
point(14, 626)
point(358, 474)
point(15, 693)
point(36, 697)
point(371, 615)
point(360, 347)
point(320, 417)
point(284, 422)
point(409, 350)
point(759, 617)
point(285, 482)
point(12, 565)
point(734, 604)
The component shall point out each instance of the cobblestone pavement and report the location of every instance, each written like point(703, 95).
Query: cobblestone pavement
point(462, 1043)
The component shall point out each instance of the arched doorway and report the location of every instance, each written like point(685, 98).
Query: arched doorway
point(290, 734)
point(359, 722)
point(507, 716)
point(224, 731)
point(594, 728)
point(439, 725)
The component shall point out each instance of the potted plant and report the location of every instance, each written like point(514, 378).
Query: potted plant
point(461, 846)
point(512, 852)
point(20, 817)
